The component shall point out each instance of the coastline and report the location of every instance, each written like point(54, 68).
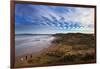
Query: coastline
point(61, 53)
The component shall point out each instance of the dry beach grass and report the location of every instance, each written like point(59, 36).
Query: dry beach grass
point(66, 49)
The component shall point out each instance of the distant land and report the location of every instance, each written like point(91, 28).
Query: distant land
point(51, 34)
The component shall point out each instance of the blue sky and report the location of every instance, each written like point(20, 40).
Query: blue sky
point(42, 19)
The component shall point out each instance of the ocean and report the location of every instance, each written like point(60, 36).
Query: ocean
point(28, 44)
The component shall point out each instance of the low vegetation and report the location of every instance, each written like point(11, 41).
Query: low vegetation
point(68, 49)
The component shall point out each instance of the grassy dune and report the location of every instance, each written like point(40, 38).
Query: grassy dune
point(66, 49)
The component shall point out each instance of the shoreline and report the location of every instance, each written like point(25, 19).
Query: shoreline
point(64, 49)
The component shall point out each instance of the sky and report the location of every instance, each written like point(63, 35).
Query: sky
point(45, 19)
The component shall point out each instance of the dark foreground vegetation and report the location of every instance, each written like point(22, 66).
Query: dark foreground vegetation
point(69, 48)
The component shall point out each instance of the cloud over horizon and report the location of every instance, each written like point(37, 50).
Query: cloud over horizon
point(42, 19)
